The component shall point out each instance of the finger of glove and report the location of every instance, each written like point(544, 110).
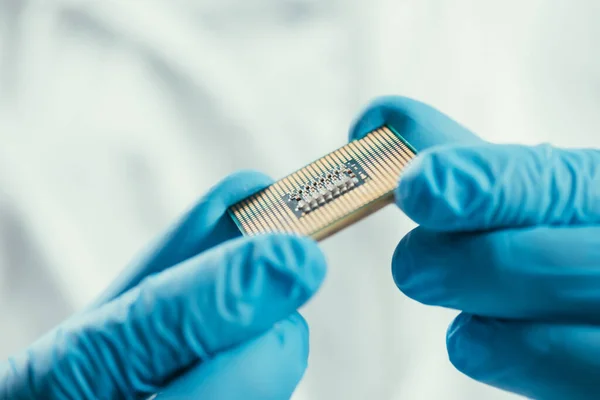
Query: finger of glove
point(173, 320)
point(421, 125)
point(539, 361)
point(268, 368)
point(543, 273)
point(482, 187)
point(206, 225)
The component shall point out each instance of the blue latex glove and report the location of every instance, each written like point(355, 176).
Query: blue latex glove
point(204, 315)
point(511, 236)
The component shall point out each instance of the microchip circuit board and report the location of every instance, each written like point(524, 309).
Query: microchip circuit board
point(331, 193)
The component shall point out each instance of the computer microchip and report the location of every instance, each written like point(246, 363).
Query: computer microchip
point(331, 193)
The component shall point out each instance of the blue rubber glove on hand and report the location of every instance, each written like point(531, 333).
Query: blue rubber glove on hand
point(511, 236)
point(204, 315)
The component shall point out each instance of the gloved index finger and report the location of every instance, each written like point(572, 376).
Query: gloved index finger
point(467, 188)
point(207, 224)
point(420, 124)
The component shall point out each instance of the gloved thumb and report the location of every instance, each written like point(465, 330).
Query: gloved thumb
point(421, 125)
point(182, 317)
point(477, 188)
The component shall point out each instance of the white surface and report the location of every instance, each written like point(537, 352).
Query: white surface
point(116, 115)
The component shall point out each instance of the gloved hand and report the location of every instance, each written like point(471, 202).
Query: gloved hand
point(204, 315)
point(511, 236)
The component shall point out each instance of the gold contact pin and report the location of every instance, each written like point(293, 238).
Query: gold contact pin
point(273, 219)
point(374, 166)
point(249, 215)
point(390, 139)
point(388, 167)
point(284, 218)
point(394, 153)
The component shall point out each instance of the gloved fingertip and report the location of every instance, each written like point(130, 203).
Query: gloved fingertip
point(455, 327)
point(446, 188)
point(384, 110)
point(402, 263)
point(468, 344)
point(422, 125)
point(238, 185)
point(294, 330)
point(412, 189)
point(299, 321)
point(421, 194)
point(281, 268)
point(310, 259)
point(370, 118)
point(457, 343)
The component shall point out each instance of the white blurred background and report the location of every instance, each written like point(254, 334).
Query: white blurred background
point(115, 116)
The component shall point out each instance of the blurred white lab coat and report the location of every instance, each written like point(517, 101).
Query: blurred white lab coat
point(116, 115)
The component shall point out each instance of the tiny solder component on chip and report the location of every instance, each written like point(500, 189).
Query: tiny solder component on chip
point(331, 193)
point(322, 189)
